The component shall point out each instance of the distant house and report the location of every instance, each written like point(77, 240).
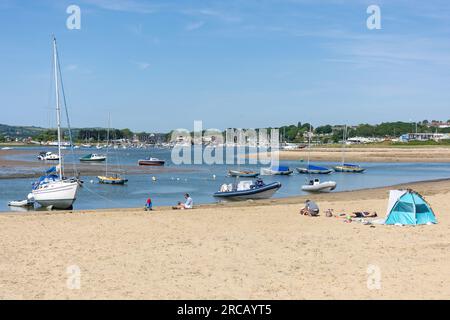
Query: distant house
point(359, 140)
point(426, 136)
point(440, 124)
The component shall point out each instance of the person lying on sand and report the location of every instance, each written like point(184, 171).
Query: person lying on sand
point(188, 204)
point(311, 209)
point(364, 214)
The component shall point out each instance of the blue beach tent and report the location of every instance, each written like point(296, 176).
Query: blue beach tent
point(407, 207)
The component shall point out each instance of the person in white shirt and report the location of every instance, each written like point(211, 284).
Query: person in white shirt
point(188, 204)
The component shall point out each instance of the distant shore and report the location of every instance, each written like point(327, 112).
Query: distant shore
point(250, 250)
point(368, 154)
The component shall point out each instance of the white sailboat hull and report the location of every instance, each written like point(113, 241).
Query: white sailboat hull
point(57, 194)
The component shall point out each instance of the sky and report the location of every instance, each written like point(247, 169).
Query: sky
point(159, 65)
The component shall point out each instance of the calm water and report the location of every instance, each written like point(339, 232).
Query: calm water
point(198, 179)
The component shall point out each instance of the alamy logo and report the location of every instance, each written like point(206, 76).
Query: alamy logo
point(73, 22)
point(374, 277)
point(74, 279)
point(210, 146)
point(374, 20)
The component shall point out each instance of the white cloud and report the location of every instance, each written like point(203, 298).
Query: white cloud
point(195, 25)
point(142, 65)
point(124, 5)
point(72, 67)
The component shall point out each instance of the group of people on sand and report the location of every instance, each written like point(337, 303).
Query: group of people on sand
point(187, 204)
point(312, 209)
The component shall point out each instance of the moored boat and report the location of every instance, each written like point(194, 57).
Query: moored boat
point(317, 186)
point(21, 203)
point(48, 156)
point(243, 173)
point(53, 189)
point(93, 157)
point(280, 170)
point(246, 190)
point(151, 162)
point(115, 179)
point(347, 167)
point(311, 169)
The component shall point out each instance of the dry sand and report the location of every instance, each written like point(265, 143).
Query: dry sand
point(257, 250)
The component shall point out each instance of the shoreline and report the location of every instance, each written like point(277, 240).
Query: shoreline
point(422, 186)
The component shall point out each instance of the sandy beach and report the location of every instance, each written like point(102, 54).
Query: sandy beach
point(371, 154)
point(252, 250)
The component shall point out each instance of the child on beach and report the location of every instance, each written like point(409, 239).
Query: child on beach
point(148, 204)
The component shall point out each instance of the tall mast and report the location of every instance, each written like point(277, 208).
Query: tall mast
point(309, 144)
point(58, 109)
point(344, 138)
point(107, 143)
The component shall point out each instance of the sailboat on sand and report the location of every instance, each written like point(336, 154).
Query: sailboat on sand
point(56, 191)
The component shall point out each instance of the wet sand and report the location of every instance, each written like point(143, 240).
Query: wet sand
point(85, 169)
point(250, 250)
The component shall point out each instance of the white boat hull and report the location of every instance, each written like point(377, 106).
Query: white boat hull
point(320, 187)
point(57, 194)
point(270, 172)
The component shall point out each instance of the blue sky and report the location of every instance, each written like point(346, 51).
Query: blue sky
point(158, 65)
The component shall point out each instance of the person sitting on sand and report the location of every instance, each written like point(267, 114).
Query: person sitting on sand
point(311, 209)
point(188, 204)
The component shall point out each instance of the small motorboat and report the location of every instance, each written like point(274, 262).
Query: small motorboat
point(48, 156)
point(317, 186)
point(243, 173)
point(280, 170)
point(93, 157)
point(246, 190)
point(6, 148)
point(151, 162)
point(347, 167)
point(21, 203)
point(112, 180)
point(310, 169)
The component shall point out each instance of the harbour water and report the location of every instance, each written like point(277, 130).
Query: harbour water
point(200, 180)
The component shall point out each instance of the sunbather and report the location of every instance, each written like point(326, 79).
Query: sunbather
point(364, 214)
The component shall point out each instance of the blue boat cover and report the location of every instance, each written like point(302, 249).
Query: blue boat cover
point(50, 170)
point(280, 168)
point(45, 179)
point(311, 167)
point(350, 165)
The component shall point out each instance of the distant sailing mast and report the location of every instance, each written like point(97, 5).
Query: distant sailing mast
point(110, 179)
point(346, 167)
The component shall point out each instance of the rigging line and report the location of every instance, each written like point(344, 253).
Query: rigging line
point(67, 114)
point(99, 195)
